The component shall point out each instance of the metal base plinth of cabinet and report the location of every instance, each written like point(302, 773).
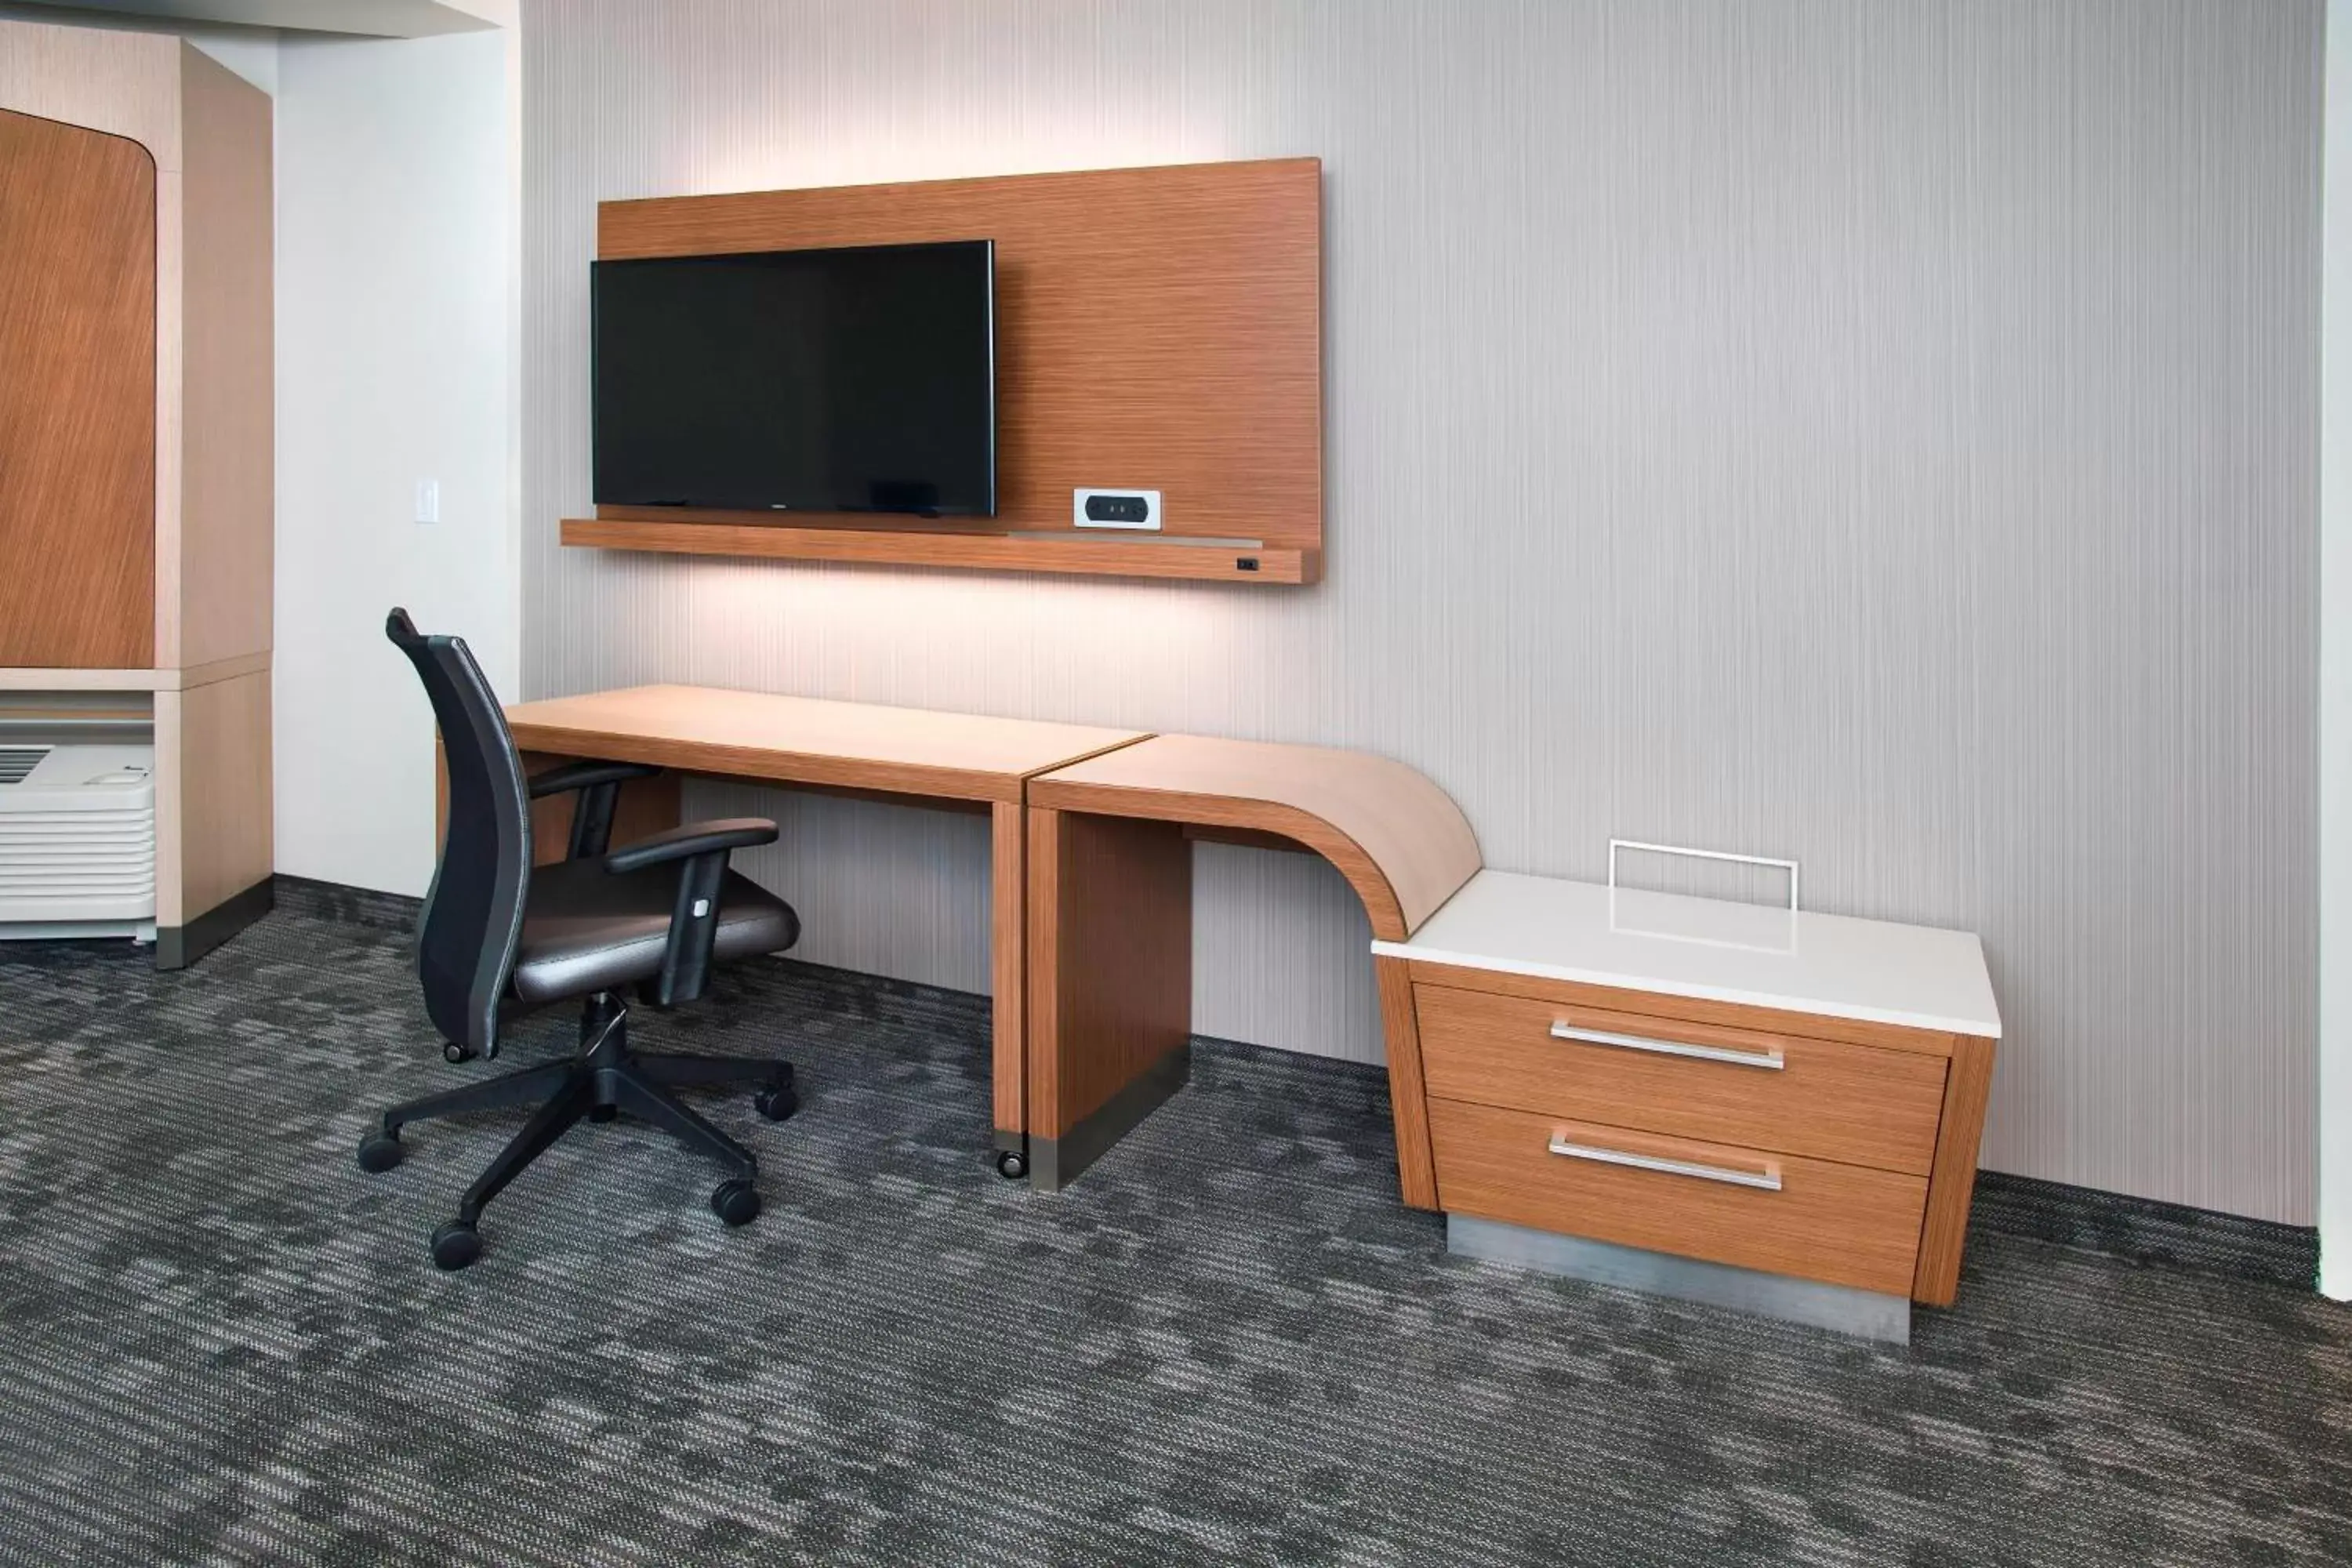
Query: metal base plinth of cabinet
point(1842, 1308)
point(1055, 1162)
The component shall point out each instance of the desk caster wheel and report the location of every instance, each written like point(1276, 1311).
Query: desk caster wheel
point(736, 1202)
point(777, 1101)
point(380, 1151)
point(1012, 1164)
point(455, 1246)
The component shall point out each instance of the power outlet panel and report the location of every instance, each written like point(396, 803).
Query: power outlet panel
point(1116, 508)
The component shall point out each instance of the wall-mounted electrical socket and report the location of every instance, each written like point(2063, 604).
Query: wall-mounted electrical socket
point(1116, 508)
point(428, 500)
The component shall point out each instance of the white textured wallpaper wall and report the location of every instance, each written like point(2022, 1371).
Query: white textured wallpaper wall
point(395, 244)
point(1879, 432)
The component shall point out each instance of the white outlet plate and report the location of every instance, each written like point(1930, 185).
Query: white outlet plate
point(1150, 499)
point(428, 500)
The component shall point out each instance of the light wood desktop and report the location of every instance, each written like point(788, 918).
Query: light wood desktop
point(956, 762)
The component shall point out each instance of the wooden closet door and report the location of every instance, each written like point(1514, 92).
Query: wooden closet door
point(77, 397)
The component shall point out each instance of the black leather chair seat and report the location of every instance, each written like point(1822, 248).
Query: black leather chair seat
point(586, 928)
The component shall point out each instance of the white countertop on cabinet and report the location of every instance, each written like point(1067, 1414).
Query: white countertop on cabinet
point(1920, 978)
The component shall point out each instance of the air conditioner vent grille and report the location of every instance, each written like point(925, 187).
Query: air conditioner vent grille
point(77, 836)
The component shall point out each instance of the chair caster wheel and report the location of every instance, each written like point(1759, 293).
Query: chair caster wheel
point(455, 1054)
point(380, 1151)
point(456, 1245)
point(736, 1202)
point(1012, 1164)
point(605, 1113)
point(777, 1101)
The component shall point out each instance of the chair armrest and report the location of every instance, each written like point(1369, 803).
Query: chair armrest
point(599, 786)
point(587, 774)
point(692, 840)
point(700, 850)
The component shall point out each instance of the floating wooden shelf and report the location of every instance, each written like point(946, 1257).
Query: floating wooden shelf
point(977, 551)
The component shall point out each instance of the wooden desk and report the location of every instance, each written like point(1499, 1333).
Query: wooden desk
point(1110, 917)
point(906, 755)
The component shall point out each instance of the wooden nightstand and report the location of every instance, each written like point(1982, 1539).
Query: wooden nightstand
point(1766, 1109)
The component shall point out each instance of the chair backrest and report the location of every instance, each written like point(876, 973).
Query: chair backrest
point(473, 915)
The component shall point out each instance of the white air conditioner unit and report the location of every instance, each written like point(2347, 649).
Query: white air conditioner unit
point(77, 840)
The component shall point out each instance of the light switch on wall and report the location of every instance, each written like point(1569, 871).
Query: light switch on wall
point(428, 500)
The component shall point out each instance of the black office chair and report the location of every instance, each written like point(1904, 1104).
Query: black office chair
point(502, 938)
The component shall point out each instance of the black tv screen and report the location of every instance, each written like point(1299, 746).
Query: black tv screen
point(861, 379)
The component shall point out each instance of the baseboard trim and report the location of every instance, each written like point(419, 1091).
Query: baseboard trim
point(349, 905)
point(2144, 1231)
point(176, 947)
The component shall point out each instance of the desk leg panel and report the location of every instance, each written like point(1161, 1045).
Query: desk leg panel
point(1009, 970)
point(1951, 1183)
point(1110, 980)
point(1408, 1095)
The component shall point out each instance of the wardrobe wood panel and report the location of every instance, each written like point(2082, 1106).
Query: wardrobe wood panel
point(218, 823)
point(77, 398)
point(222, 571)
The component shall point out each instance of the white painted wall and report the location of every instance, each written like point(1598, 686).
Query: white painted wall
point(397, 345)
point(2335, 666)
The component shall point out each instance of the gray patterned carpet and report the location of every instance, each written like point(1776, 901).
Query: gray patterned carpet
point(220, 1342)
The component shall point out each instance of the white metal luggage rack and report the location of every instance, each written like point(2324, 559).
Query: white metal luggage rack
point(1787, 865)
point(1788, 945)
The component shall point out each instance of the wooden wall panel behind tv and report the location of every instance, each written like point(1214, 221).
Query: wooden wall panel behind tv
point(77, 397)
point(1158, 328)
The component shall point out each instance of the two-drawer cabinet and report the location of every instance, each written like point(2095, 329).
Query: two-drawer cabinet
point(1755, 1091)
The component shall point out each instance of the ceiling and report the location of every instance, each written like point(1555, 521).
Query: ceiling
point(371, 18)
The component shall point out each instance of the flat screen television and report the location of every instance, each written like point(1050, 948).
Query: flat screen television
point(859, 379)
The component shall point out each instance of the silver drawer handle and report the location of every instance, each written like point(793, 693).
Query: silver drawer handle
point(1767, 1180)
point(1770, 1058)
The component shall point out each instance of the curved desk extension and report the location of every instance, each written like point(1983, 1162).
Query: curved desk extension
point(1110, 984)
